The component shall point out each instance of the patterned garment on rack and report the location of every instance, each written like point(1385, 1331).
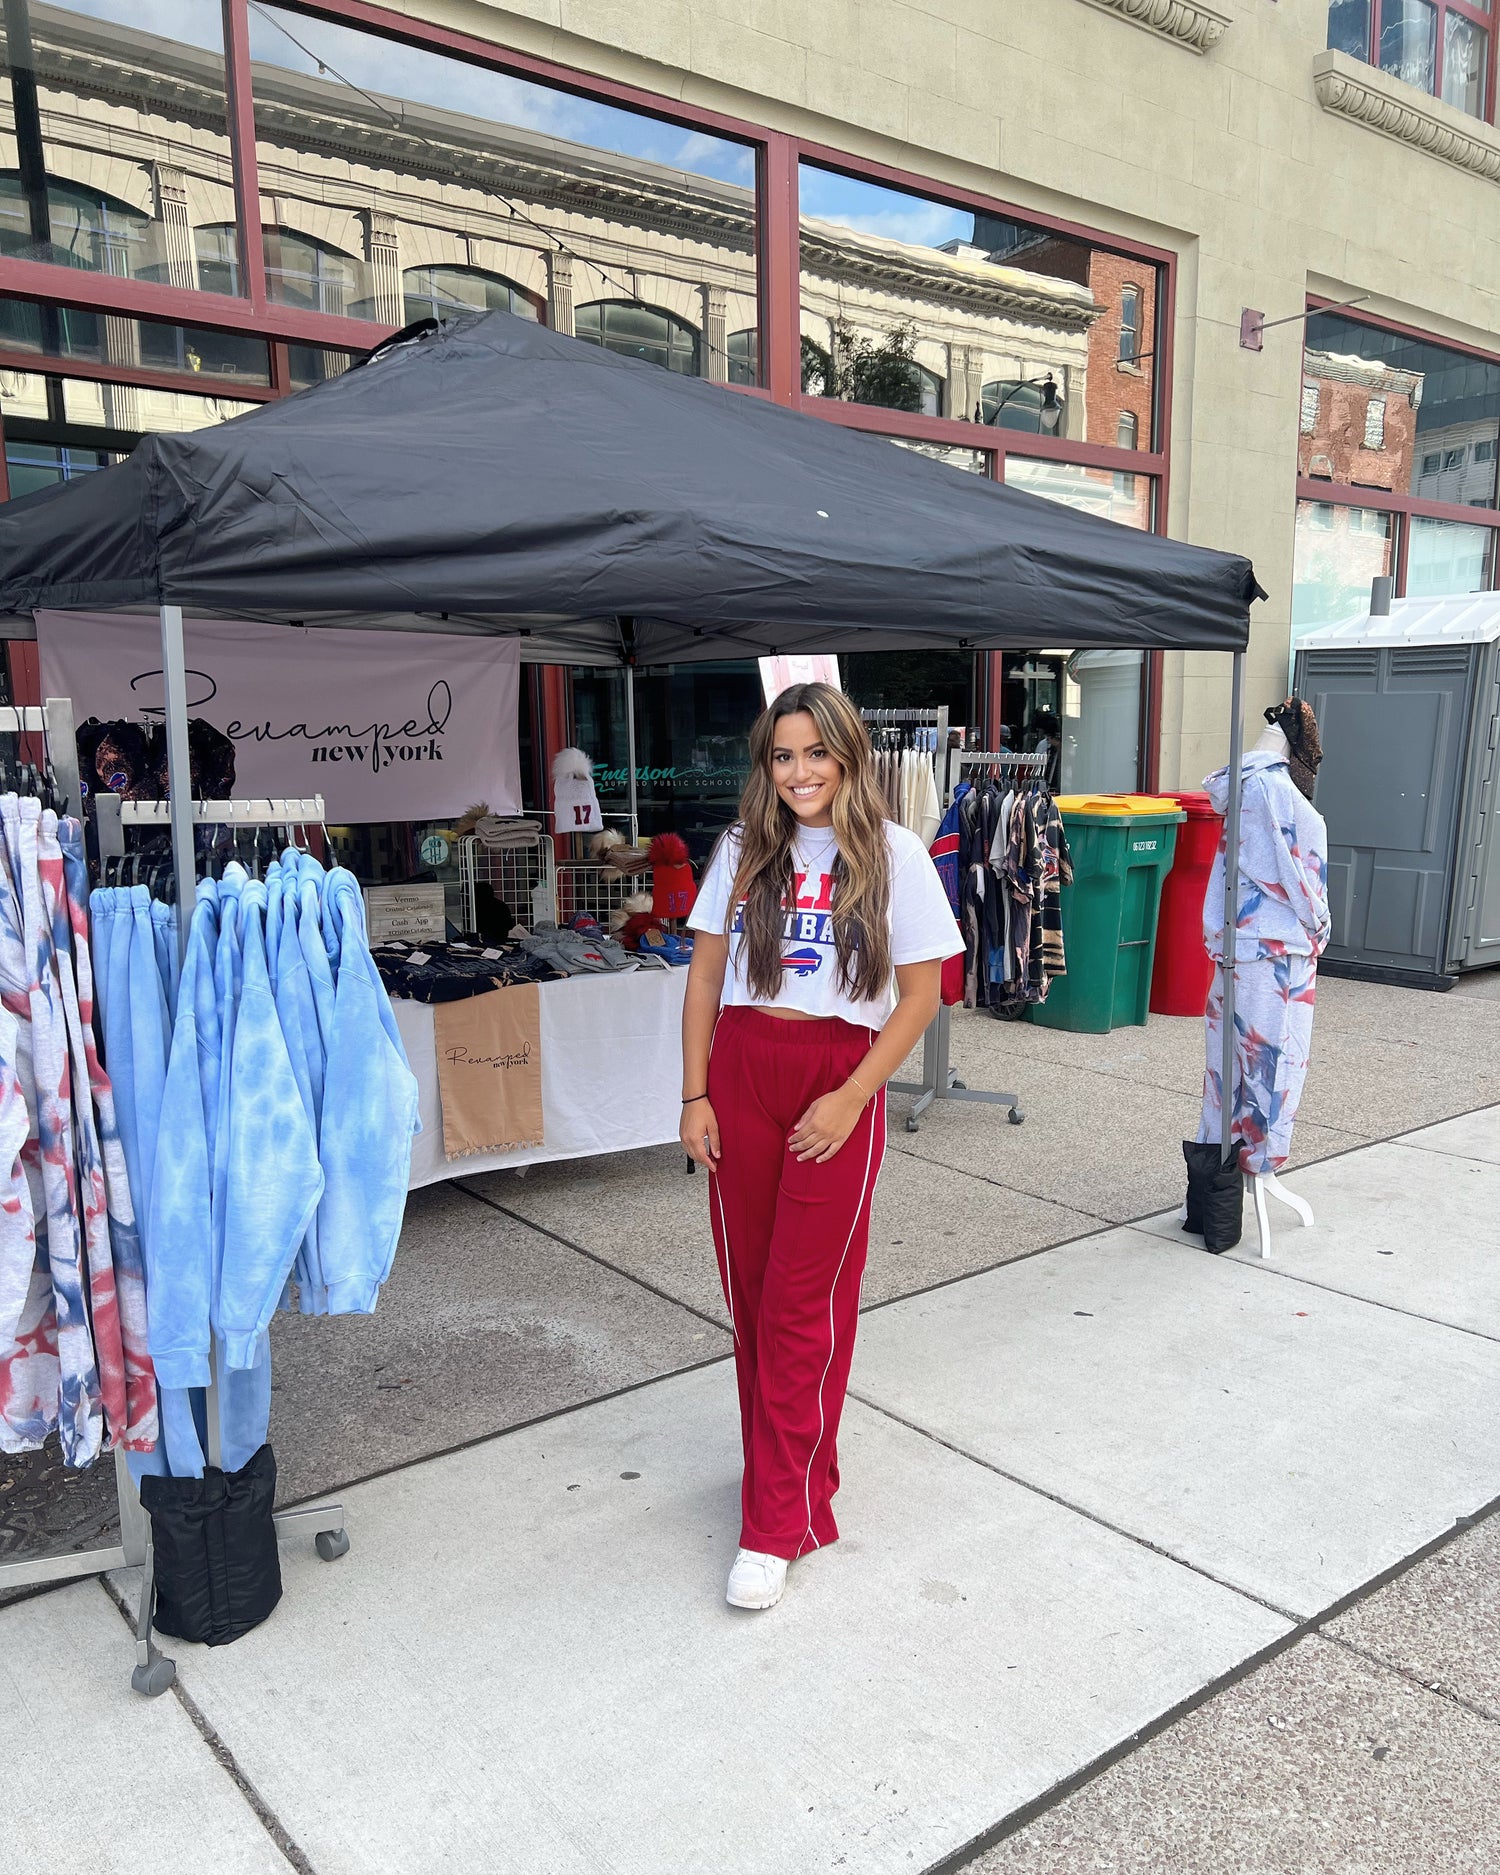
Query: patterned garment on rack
point(73, 1356)
point(89, 1199)
point(138, 1432)
point(50, 1378)
point(1273, 1019)
point(1057, 871)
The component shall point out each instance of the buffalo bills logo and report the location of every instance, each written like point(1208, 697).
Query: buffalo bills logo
point(802, 963)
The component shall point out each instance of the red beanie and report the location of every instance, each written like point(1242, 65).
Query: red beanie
point(672, 890)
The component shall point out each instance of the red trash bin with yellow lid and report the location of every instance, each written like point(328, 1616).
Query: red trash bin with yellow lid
point(1183, 972)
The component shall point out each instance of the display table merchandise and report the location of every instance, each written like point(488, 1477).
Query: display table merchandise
point(611, 1063)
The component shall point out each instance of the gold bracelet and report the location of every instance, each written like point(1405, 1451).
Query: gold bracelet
point(861, 1086)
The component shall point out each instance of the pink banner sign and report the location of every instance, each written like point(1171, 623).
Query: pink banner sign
point(384, 725)
point(780, 673)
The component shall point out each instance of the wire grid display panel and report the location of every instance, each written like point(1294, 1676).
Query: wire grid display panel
point(523, 877)
point(597, 890)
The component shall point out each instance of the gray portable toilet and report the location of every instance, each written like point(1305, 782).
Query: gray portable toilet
point(1408, 706)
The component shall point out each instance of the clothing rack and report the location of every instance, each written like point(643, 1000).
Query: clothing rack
point(154, 1672)
point(931, 718)
point(939, 1078)
point(112, 816)
point(54, 721)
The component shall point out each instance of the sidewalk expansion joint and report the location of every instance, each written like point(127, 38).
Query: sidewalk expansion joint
point(983, 1178)
point(272, 1824)
point(1079, 1510)
point(1268, 1267)
point(1306, 1627)
point(1435, 1688)
point(519, 1217)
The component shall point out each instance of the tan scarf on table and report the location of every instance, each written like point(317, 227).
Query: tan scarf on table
point(489, 1053)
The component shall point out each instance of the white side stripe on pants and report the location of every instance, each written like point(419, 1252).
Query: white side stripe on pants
point(877, 1117)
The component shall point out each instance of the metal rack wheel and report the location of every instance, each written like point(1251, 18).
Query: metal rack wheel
point(913, 1125)
point(331, 1544)
point(1015, 1116)
point(956, 1082)
point(153, 1680)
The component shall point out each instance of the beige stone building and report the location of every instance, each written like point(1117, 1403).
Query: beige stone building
point(1040, 241)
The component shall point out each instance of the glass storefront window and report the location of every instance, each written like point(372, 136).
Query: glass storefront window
point(118, 144)
point(910, 303)
point(1082, 708)
point(400, 174)
point(692, 744)
point(33, 466)
point(1112, 494)
point(1445, 557)
point(151, 344)
point(1441, 413)
point(1339, 550)
point(129, 409)
point(312, 364)
point(975, 461)
point(58, 429)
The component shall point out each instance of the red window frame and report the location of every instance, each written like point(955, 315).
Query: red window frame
point(777, 156)
point(1387, 501)
point(1476, 16)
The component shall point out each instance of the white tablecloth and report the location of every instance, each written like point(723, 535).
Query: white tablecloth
point(611, 1071)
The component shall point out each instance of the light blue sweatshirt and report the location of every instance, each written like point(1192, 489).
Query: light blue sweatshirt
point(180, 1237)
point(369, 1113)
point(272, 1180)
point(299, 1024)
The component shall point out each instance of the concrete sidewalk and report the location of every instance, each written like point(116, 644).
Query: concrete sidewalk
point(1084, 1490)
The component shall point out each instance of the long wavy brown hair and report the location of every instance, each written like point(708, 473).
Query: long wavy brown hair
point(861, 872)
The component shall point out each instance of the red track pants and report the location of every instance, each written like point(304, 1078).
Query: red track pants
point(792, 1239)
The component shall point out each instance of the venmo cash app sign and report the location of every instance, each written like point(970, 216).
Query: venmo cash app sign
point(384, 725)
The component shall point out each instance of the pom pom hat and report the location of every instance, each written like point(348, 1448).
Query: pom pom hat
point(672, 889)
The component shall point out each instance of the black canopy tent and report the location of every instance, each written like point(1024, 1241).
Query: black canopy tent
point(496, 477)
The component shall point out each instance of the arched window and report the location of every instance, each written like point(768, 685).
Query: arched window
point(449, 292)
point(1127, 430)
point(744, 356)
point(1130, 324)
point(636, 331)
point(303, 271)
point(90, 229)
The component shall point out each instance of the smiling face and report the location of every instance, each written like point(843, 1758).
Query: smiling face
point(804, 773)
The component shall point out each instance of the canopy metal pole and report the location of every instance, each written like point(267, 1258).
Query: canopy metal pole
point(635, 821)
point(179, 768)
point(1228, 945)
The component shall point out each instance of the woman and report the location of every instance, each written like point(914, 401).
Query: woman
point(822, 929)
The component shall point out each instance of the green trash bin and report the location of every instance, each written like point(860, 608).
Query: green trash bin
point(1122, 848)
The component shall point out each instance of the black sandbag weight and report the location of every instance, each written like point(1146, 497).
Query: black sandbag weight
point(217, 1571)
point(1215, 1196)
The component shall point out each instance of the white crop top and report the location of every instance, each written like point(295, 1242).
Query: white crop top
point(922, 925)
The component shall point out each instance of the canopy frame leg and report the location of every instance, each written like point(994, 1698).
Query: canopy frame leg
point(1228, 947)
point(630, 755)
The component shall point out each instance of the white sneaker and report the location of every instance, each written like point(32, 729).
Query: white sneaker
point(756, 1580)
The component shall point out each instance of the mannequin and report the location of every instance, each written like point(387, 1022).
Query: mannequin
point(1272, 741)
point(1282, 927)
